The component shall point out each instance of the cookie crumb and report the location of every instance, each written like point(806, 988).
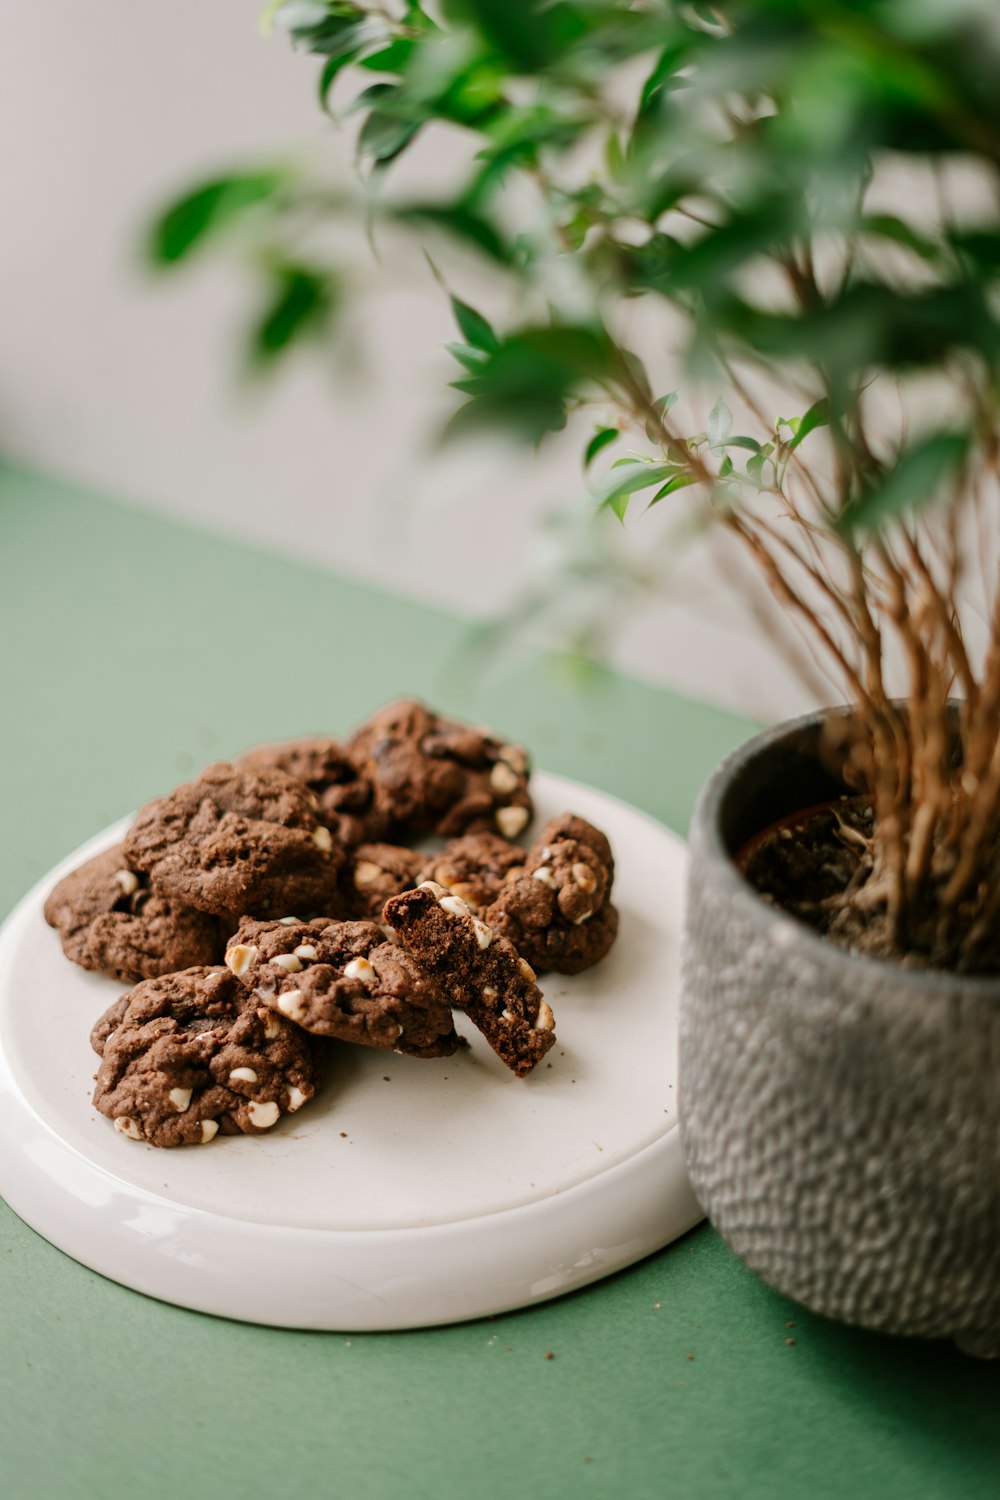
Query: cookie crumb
point(549, 1354)
point(657, 1305)
point(789, 1341)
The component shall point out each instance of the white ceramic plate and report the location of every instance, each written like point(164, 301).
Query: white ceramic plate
point(409, 1192)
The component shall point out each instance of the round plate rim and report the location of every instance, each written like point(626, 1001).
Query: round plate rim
point(648, 1191)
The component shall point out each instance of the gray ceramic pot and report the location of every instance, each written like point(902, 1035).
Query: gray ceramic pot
point(840, 1115)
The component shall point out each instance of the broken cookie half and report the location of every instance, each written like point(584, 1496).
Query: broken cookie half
point(481, 973)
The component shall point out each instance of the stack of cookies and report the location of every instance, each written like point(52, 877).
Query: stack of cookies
point(278, 902)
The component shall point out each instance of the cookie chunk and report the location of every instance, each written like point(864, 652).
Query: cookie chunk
point(110, 921)
point(343, 980)
point(190, 1054)
point(556, 910)
point(237, 841)
point(344, 798)
point(473, 867)
point(376, 872)
point(435, 775)
point(482, 974)
point(570, 826)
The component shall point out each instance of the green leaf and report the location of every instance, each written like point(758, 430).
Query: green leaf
point(666, 65)
point(679, 482)
point(328, 73)
point(749, 443)
point(386, 133)
point(393, 58)
point(755, 468)
point(720, 422)
point(206, 210)
point(301, 305)
point(362, 36)
point(474, 327)
point(625, 478)
point(602, 437)
point(470, 358)
point(915, 481)
point(818, 415)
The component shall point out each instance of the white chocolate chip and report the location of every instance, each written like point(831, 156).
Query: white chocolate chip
point(507, 1015)
point(489, 992)
point(323, 839)
point(527, 972)
point(296, 1099)
point(366, 872)
point(511, 820)
point(240, 957)
point(484, 934)
point(465, 892)
point(126, 1126)
point(289, 921)
point(584, 877)
point(503, 779)
point(585, 918)
point(128, 881)
point(433, 887)
point(209, 1130)
point(263, 1116)
point(272, 1026)
point(180, 1099)
point(545, 876)
point(243, 1075)
point(290, 1005)
point(288, 962)
point(455, 905)
point(545, 1021)
point(515, 758)
point(304, 950)
point(545, 853)
point(359, 968)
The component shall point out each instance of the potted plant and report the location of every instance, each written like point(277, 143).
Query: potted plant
point(800, 199)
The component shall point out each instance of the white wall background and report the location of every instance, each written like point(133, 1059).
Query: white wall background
point(128, 384)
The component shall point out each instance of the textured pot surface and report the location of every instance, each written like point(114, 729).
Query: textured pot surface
point(840, 1115)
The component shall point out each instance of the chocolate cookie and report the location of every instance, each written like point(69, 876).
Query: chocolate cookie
point(237, 841)
point(190, 1054)
point(556, 910)
point(473, 867)
point(435, 775)
point(376, 872)
point(344, 798)
point(343, 980)
point(110, 921)
point(481, 973)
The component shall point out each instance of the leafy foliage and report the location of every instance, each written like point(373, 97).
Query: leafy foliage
point(750, 144)
point(774, 178)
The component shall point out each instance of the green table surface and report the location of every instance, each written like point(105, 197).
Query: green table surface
point(134, 650)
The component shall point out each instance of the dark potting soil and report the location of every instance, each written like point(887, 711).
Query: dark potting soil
point(815, 865)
